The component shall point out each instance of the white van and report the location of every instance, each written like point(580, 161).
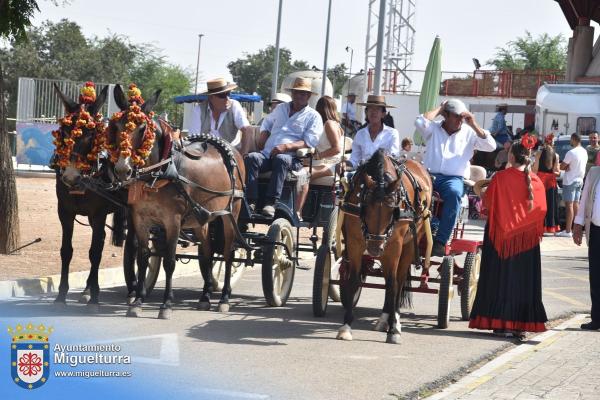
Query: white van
point(563, 109)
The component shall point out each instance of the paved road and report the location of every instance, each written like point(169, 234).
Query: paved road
point(286, 353)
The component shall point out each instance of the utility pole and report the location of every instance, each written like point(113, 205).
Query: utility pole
point(379, 52)
point(276, 63)
point(198, 63)
point(324, 83)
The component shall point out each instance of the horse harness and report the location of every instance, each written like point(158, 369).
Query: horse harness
point(405, 209)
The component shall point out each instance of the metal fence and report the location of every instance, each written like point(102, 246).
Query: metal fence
point(37, 100)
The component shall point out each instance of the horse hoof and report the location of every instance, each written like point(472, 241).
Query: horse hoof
point(393, 338)
point(134, 312)
point(204, 306)
point(344, 333)
point(85, 298)
point(130, 299)
point(381, 326)
point(60, 303)
point(223, 307)
point(93, 308)
point(165, 313)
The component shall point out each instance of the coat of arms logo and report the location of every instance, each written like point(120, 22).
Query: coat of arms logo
point(30, 355)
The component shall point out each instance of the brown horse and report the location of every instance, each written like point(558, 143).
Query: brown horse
point(76, 141)
point(204, 184)
point(384, 210)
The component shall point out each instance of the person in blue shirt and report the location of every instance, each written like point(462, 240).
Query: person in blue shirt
point(291, 126)
point(499, 130)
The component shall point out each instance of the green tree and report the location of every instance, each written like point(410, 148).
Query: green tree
point(254, 72)
point(15, 17)
point(338, 77)
point(529, 53)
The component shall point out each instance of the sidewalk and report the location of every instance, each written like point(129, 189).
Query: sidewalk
point(562, 363)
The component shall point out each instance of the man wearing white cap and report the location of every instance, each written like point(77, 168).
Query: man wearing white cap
point(450, 146)
point(349, 112)
point(291, 126)
point(221, 116)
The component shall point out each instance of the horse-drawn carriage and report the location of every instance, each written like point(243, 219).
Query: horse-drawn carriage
point(331, 266)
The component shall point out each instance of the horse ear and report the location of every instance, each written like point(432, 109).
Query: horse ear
point(369, 181)
point(99, 101)
point(120, 98)
point(164, 126)
point(149, 104)
point(70, 105)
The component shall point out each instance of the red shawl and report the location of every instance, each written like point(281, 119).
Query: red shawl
point(548, 179)
point(512, 227)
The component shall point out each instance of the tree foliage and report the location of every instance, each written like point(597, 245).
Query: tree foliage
point(61, 51)
point(15, 18)
point(529, 53)
point(254, 72)
point(338, 77)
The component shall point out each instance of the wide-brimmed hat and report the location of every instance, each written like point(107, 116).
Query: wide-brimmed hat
point(302, 84)
point(502, 106)
point(281, 98)
point(480, 186)
point(218, 85)
point(373, 100)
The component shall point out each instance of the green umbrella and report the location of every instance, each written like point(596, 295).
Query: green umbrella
point(431, 83)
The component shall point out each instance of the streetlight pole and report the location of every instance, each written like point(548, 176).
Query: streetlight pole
point(379, 50)
point(198, 63)
point(276, 63)
point(323, 85)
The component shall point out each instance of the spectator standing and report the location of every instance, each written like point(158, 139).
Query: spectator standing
point(546, 166)
point(574, 166)
point(592, 149)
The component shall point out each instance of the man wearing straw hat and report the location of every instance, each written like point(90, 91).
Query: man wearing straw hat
point(450, 146)
point(291, 126)
point(220, 115)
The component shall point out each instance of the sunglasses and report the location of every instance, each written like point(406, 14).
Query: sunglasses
point(222, 95)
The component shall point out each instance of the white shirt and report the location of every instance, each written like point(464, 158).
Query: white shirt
point(305, 124)
point(363, 147)
point(350, 110)
point(577, 159)
point(451, 154)
point(239, 118)
point(580, 217)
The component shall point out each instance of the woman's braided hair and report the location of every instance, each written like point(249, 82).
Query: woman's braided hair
point(523, 157)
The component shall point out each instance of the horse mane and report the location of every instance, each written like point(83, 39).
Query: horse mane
point(375, 167)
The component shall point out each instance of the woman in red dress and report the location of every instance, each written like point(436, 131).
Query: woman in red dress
point(546, 166)
point(509, 291)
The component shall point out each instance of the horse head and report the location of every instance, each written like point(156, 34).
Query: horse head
point(131, 132)
point(80, 137)
point(380, 186)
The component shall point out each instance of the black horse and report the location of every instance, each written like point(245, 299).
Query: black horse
point(79, 142)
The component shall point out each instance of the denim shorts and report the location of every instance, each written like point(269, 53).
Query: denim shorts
point(572, 192)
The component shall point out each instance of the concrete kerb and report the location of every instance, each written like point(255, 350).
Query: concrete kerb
point(107, 277)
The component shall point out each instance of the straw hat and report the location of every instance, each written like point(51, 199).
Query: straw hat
point(480, 186)
point(302, 85)
point(374, 100)
point(218, 85)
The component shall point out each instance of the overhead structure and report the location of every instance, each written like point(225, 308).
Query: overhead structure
point(398, 43)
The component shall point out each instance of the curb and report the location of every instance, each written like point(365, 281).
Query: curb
point(107, 277)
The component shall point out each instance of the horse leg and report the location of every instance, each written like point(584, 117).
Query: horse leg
point(398, 280)
point(205, 260)
point(382, 324)
point(97, 223)
point(166, 309)
point(227, 255)
point(143, 254)
point(67, 220)
point(129, 255)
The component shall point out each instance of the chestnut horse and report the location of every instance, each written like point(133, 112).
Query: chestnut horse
point(75, 140)
point(384, 214)
point(203, 185)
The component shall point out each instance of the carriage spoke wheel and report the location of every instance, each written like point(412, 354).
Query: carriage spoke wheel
point(278, 268)
point(153, 269)
point(237, 270)
point(468, 287)
point(445, 292)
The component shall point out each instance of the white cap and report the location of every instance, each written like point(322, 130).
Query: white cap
point(455, 106)
point(281, 97)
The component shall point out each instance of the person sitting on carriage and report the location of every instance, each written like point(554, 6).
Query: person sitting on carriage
point(293, 126)
point(376, 135)
point(221, 116)
point(450, 145)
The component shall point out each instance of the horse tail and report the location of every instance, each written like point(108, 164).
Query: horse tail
point(405, 292)
point(117, 236)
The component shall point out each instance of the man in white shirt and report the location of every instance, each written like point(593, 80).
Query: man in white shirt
point(574, 166)
point(221, 116)
point(291, 126)
point(349, 112)
point(450, 146)
point(588, 216)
